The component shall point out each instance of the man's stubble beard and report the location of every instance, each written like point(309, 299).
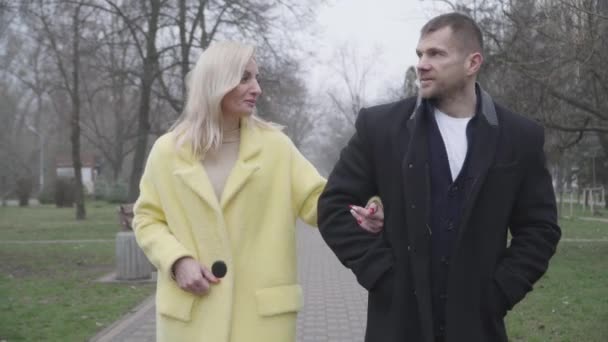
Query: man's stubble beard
point(445, 92)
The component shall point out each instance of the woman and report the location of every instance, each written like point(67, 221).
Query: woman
point(223, 185)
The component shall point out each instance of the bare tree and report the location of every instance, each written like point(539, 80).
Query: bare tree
point(285, 100)
point(143, 22)
point(111, 100)
point(410, 83)
point(408, 88)
point(5, 16)
point(67, 60)
point(13, 154)
point(353, 71)
point(331, 133)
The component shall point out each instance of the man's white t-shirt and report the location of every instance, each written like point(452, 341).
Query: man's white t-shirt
point(454, 135)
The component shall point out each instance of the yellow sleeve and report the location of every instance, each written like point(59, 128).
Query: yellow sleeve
point(149, 223)
point(307, 185)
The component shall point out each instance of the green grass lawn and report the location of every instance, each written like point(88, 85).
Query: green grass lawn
point(48, 291)
point(50, 223)
point(577, 211)
point(570, 303)
point(577, 228)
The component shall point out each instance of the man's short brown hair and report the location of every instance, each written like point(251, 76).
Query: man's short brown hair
point(463, 27)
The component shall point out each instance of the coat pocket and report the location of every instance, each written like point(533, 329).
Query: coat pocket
point(280, 299)
point(505, 166)
point(496, 301)
point(173, 302)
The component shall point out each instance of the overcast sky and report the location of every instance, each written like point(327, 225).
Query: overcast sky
point(383, 31)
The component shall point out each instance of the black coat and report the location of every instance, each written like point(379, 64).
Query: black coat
point(511, 189)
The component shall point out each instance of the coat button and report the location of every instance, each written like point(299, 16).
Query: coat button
point(413, 206)
point(445, 261)
point(411, 166)
point(450, 225)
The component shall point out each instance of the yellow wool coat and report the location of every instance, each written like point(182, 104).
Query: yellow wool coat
point(252, 229)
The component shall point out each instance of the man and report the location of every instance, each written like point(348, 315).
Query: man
point(455, 171)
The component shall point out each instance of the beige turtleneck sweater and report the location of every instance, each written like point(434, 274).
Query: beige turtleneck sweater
point(218, 164)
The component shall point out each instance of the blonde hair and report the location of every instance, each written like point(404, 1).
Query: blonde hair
point(218, 70)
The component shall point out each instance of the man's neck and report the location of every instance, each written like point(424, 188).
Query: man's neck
point(461, 104)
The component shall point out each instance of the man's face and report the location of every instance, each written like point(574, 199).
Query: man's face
point(442, 64)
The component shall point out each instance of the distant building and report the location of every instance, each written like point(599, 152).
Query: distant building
point(90, 170)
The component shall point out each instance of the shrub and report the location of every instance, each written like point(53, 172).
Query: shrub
point(46, 196)
point(101, 189)
point(117, 193)
point(64, 192)
point(24, 190)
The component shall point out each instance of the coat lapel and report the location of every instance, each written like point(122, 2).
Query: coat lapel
point(482, 154)
point(409, 139)
point(416, 194)
point(193, 175)
point(415, 175)
point(192, 172)
point(247, 164)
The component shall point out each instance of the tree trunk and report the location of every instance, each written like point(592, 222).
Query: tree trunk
point(603, 137)
point(118, 155)
point(560, 187)
point(75, 122)
point(141, 146)
point(143, 127)
point(185, 48)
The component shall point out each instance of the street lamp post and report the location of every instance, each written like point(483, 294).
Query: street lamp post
point(41, 161)
point(593, 184)
point(593, 163)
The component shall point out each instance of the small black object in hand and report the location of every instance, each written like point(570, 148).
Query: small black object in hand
point(219, 269)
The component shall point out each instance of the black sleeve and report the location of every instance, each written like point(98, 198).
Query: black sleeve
point(352, 181)
point(533, 227)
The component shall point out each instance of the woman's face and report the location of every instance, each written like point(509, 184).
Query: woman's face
point(241, 100)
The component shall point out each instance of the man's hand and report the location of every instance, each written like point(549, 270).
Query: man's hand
point(193, 277)
point(370, 218)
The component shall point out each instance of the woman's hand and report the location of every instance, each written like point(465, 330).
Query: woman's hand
point(370, 218)
point(193, 277)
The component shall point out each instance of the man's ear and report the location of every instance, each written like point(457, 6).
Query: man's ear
point(473, 63)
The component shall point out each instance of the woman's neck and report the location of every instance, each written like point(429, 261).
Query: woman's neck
point(231, 124)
